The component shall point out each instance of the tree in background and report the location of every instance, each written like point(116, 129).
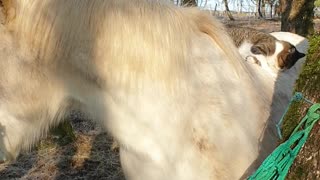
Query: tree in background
point(309, 84)
point(277, 9)
point(228, 10)
point(240, 6)
point(297, 16)
point(189, 3)
point(272, 4)
point(259, 8)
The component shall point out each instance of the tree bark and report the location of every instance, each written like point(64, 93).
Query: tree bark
point(277, 10)
point(297, 16)
point(189, 3)
point(308, 83)
point(215, 9)
point(227, 10)
point(263, 8)
point(259, 8)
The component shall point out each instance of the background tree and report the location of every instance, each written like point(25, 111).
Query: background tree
point(297, 16)
point(240, 6)
point(271, 4)
point(277, 9)
point(260, 8)
point(189, 3)
point(300, 13)
point(202, 3)
point(228, 10)
point(306, 166)
point(263, 8)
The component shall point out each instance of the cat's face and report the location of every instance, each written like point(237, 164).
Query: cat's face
point(284, 57)
point(288, 56)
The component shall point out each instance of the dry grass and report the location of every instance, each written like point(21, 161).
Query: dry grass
point(90, 156)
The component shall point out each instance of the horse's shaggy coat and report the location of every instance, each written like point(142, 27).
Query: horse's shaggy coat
point(166, 82)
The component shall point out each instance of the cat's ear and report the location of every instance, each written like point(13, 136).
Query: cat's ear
point(258, 49)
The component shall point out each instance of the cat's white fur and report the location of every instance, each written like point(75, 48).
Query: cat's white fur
point(267, 63)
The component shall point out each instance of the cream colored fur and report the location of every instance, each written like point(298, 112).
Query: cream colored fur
point(166, 82)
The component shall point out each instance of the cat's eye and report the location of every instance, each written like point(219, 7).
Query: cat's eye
point(292, 50)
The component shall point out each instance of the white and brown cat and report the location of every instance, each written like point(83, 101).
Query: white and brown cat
point(272, 54)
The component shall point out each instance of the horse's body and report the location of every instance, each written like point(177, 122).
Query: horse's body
point(166, 82)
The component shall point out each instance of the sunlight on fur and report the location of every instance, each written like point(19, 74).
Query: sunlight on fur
point(166, 82)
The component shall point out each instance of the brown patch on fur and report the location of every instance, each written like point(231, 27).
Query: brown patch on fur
point(202, 142)
point(262, 42)
point(288, 56)
point(8, 9)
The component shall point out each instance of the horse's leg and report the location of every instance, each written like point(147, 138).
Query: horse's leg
point(27, 114)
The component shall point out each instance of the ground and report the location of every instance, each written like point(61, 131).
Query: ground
point(91, 155)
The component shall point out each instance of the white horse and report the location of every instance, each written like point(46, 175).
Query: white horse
point(166, 82)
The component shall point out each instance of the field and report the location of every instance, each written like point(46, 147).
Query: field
point(91, 155)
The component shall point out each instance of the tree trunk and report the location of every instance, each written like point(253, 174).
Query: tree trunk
point(309, 84)
point(276, 10)
point(271, 11)
point(259, 8)
point(215, 9)
point(263, 8)
point(189, 3)
point(203, 3)
point(227, 10)
point(297, 16)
